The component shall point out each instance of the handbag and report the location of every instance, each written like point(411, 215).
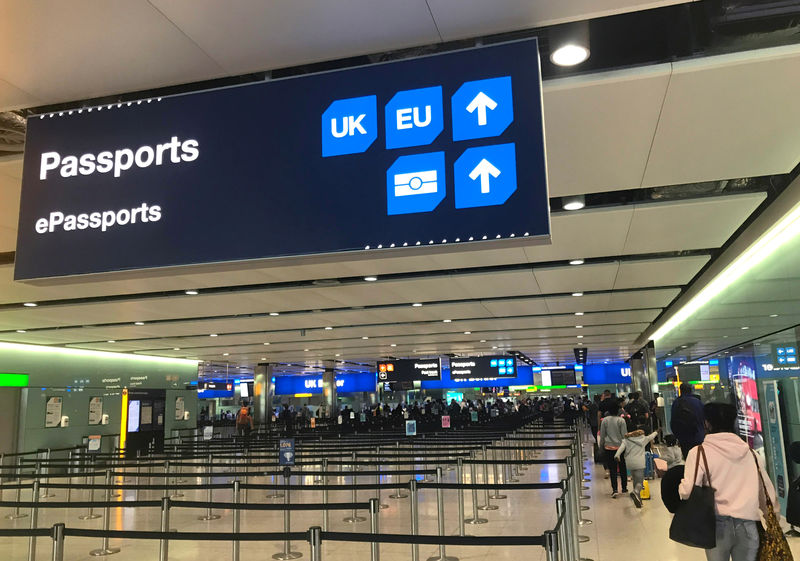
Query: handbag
point(772, 544)
point(695, 521)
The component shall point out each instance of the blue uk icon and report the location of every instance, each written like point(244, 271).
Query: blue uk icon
point(415, 183)
point(485, 176)
point(482, 108)
point(349, 126)
point(414, 117)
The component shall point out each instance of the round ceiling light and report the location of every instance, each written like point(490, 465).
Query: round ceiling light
point(569, 55)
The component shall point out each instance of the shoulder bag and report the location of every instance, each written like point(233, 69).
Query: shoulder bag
point(772, 544)
point(695, 521)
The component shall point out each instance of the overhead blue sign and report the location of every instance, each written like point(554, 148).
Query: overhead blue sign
point(442, 149)
point(524, 377)
point(345, 383)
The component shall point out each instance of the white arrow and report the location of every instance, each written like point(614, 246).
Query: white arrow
point(481, 102)
point(484, 169)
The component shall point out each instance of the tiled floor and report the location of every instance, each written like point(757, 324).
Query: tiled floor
point(619, 531)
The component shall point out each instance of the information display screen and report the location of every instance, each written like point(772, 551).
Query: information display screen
point(482, 367)
point(440, 149)
point(409, 370)
point(555, 377)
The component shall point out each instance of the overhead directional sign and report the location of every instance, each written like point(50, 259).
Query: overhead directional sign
point(442, 149)
point(409, 370)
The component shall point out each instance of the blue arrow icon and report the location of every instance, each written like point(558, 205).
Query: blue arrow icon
point(485, 176)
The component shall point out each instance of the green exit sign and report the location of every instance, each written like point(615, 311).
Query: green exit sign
point(13, 380)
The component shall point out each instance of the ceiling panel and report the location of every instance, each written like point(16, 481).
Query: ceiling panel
point(690, 224)
point(659, 272)
point(572, 278)
point(734, 115)
point(457, 19)
point(59, 51)
point(606, 122)
point(288, 33)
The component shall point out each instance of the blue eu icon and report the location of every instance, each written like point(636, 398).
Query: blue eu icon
point(485, 176)
point(415, 183)
point(414, 117)
point(482, 108)
point(349, 126)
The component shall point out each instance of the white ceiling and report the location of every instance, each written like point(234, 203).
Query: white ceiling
point(709, 119)
point(53, 51)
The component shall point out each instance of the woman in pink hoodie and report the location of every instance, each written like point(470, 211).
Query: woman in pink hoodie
point(733, 471)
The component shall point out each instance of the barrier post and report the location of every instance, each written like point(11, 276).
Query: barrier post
point(460, 480)
point(398, 493)
point(509, 477)
point(325, 512)
point(236, 521)
point(440, 512)
point(47, 494)
point(17, 514)
point(210, 495)
point(551, 545)
point(374, 509)
point(378, 480)
point(105, 549)
point(34, 520)
point(287, 552)
point(414, 519)
point(354, 517)
point(90, 515)
point(475, 518)
point(58, 542)
point(163, 548)
point(488, 505)
point(315, 541)
point(496, 472)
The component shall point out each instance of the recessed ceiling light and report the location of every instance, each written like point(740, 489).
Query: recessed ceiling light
point(30, 304)
point(21, 331)
point(266, 343)
point(724, 336)
point(138, 323)
point(580, 343)
point(226, 354)
point(447, 320)
point(274, 313)
point(111, 341)
point(569, 55)
point(580, 336)
point(263, 358)
point(176, 349)
point(576, 262)
point(577, 293)
point(328, 328)
point(370, 279)
point(365, 337)
point(483, 340)
point(578, 327)
point(468, 333)
point(393, 345)
point(494, 347)
point(416, 304)
point(773, 315)
point(305, 350)
point(745, 327)
point(578, 313)
point(338, 354)
point(191, 292)
point(574, 203)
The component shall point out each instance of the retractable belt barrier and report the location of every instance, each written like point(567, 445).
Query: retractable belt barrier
point(506, 454)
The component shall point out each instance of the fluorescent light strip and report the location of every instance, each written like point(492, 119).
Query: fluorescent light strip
point(786, 229)
point(89, 353)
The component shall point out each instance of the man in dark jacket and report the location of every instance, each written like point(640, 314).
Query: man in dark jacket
point(687, 422)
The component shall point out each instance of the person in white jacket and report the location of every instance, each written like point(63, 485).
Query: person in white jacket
point(734, 476)
point(633, 446)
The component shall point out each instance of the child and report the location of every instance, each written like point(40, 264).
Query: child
point(633, 445)
point(672, 453)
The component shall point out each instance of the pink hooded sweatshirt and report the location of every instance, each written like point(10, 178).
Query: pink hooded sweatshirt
point(737, 489)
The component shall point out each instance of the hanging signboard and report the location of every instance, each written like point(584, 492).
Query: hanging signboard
point(441, 149)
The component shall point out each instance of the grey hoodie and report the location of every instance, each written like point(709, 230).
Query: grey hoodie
point(612, 431)
point(633, 446)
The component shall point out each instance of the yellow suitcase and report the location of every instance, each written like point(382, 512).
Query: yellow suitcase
point(646, 490)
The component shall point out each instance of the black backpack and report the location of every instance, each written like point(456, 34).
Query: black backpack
point(684, 421)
